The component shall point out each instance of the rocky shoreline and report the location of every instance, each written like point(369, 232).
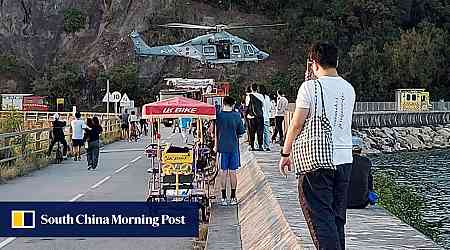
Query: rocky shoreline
point(404, 139)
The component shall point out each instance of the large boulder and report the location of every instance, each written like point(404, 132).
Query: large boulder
point(425, 138)
point(427, 130)
point(445, 132)
point(389, 132)
point(414, 142)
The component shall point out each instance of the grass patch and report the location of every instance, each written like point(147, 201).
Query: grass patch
point(22, 167)
point(405, 203)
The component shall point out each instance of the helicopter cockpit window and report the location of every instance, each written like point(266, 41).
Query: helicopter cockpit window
point(208, 50)
point(249, 49)
point(236, 49)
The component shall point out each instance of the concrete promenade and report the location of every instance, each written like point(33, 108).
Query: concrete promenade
point(270, 217)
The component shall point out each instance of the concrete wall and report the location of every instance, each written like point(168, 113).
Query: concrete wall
point(263, 225)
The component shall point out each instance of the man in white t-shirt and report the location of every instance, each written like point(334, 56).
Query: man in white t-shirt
point(323, 193)
point(78, 127)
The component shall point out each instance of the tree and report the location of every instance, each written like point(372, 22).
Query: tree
point(419, 58)
point(74, 20)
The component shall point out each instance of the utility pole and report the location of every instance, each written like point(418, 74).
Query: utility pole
point(107, 92)
point(107, 102)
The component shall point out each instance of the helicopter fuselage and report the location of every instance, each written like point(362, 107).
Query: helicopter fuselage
point(215, 48)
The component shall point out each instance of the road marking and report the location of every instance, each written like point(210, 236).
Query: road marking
point(137, 159)
point(7, 241)
point(100, 182)
point(122, 168)
point(76, 197)
point(121, 150)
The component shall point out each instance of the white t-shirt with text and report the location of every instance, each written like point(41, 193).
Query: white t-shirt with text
point(339, 98)
point(78, 127)
point(267, 106)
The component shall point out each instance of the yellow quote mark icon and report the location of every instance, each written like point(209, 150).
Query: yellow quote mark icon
point(22, 219)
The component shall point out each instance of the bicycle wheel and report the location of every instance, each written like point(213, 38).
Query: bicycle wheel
point(59, 154)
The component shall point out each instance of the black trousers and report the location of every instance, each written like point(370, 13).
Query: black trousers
point(256, 126)
point(53, 142)
point(278, 128)
point(323, 198)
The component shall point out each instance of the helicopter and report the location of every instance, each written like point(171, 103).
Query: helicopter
point(216, 47)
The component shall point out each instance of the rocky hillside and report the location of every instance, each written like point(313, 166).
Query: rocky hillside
point(36, 34)
point(56, 47)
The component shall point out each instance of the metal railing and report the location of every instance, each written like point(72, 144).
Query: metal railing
point(379, 119)
point(19, 145)
point(361, 107)
point(374, 106)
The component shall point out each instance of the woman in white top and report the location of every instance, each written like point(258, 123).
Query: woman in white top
point(267, 107)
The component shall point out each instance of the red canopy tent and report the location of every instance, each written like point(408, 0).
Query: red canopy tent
point(178, 107)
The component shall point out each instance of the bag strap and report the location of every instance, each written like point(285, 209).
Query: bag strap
point(315, 99)
point(323, 102)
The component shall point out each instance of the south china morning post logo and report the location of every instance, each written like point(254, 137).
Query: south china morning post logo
point(99, 219)
point(22, 219)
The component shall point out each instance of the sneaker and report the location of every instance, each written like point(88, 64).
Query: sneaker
point(233, 202)
point(223, 202)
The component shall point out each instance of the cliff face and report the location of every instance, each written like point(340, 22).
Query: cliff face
point(33, 31)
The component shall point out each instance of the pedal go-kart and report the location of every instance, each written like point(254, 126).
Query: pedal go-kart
point(186, 172)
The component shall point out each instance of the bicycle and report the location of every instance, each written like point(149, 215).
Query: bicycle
point(59, 152)
point(133, 132)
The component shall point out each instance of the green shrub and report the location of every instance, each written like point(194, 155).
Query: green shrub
point(12, 122)
point(74, 20)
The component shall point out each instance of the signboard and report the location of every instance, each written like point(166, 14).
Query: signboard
point(12, 101)
point(105, 98)
point(116, 96)
point(174, 158)
point(125, 101)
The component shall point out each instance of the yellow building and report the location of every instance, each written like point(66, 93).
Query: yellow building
point(412, 100)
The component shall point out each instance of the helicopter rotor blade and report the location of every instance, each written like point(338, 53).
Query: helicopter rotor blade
point(186, 26)
point(256, 26)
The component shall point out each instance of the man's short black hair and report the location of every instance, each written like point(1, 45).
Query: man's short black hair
point(255, 87)
point(324, 53)
point(133, 113)
point(78, 115)
point(280, 92)
point(228, 100)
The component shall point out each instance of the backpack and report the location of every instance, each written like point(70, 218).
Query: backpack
point(255, 107)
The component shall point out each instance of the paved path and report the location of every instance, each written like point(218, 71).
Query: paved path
point(121, 176)
point(366, 229)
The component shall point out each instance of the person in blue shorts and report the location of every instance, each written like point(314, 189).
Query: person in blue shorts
point(229, 128)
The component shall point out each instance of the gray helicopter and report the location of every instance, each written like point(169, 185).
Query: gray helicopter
point(217, 47)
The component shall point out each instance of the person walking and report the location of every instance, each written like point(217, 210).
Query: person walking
point(78, 127)
point(133, 121)
point(266, 115)
point(324, 109)
point(229, 128)
point(58, 135)
point(281, 109)
point(93, 131)
point(125, 125)
point(255, 116)
point(185, 123)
